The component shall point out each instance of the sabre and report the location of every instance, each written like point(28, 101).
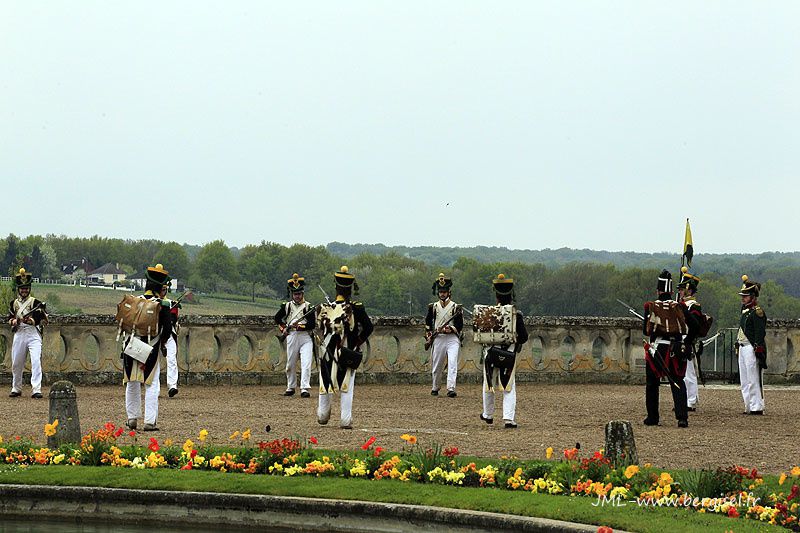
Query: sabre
point(325, 294)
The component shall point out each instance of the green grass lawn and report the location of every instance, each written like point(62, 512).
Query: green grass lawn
point(575, 509)
point(65, 299)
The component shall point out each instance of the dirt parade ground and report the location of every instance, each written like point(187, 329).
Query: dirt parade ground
point(548, 415)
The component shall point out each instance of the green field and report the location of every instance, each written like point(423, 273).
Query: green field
point(577, 509)
point(65, 299)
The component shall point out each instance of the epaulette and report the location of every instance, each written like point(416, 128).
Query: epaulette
point(759, 311)
point(357, 304)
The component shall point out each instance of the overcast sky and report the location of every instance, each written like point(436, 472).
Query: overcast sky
point(525, 124)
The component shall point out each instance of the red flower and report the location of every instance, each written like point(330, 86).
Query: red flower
point(194, 452)
point(313, 440)
point(188, 466)
point(153, 445)
point(451, 451)
point(369, 443)
point(571, 454)
point(118, 432)
point(109, 427)
point(793, 494)
point(378, 451)
point(132, 433)
point(732, 512)
point(604, 529)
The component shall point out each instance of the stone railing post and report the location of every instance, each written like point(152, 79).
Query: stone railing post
point(620, 445)
point(64, 408)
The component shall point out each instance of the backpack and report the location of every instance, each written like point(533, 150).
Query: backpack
point(666, 319)
point(138, 315)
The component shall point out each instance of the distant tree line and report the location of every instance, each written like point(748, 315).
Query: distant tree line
point(394, 283)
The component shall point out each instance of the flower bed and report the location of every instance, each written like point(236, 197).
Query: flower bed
point(735, 491)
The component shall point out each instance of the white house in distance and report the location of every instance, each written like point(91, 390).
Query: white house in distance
point(139, 281)
point(107, 274)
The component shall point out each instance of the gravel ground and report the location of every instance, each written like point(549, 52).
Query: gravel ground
point(548, 415)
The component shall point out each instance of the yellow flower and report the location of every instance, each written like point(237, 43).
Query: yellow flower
point(246, 434)
point(50, 429)
point(782, 479)
point(188, 446)
point(234, 435)
point(167, 442)
point(58, 459)
point(549, 452)
point(631, 471)
point(1, 439)
point(203, 435)
point(795, 471)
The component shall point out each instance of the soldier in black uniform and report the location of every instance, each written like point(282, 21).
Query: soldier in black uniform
point(26, 316)
point(345, 327)
point(752, 347)
point(665, 326)
point(499, 370)
point(136, 373)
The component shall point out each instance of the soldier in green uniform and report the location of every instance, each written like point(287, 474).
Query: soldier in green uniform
point(752, 347)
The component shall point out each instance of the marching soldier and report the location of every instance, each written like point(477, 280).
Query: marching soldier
point(500, 361)
point(752, 347)
point(136, 373)
point(664, 325)
point(692, 312)
point(345, 327)
point(296, 321)
point(443, 325)
point(27, 317)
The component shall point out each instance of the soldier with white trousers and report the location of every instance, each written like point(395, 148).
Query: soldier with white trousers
point(443, 325)
point(26, 316)
point(296, 321)
point(752, 347)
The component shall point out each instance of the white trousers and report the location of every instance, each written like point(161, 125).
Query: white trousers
point(346, 403)
point(509, 399)
point(749, 375)
point(172, 363)
point(299, 346)
point(690, 379)
point(133, 398)
point(445, 348)
point(26, 339)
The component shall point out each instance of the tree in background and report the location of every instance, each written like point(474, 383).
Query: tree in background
point(10, 255)
point(215, 268)
point(175, 260)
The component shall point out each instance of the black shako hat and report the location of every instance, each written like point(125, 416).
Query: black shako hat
point(664, 282)
point(157, 275)
point(295, 284)
point(345, 281)
point(688, 280)
point(749, 287)
point(23, 279)
point(442, 283)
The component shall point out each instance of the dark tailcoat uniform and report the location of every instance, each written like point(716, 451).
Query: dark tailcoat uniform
point(664, 354)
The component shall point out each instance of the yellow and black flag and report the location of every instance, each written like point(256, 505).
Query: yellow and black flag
point(688, 250)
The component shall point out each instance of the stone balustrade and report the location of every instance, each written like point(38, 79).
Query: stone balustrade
point(244, 349)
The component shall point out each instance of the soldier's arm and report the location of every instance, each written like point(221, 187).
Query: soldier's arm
point(458, 321)
point(365, 324)
point(759, 331)
point(522, 333)
point(40, 315)
point(280, 316)
point(429, 318)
